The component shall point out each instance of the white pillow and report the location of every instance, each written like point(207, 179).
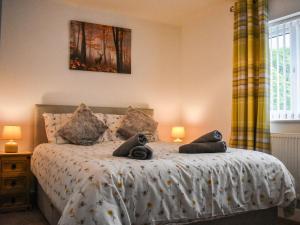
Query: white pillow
point(53, 122)
point(113, 122)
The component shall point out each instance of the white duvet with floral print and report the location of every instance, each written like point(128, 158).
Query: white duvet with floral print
point(90, 186)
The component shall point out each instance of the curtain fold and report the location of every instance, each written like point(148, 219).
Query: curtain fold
point(250, 104)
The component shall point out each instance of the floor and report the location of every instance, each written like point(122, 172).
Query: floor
point(34, 217)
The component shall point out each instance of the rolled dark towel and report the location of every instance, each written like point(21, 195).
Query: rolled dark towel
point(212, 136)
point(141, 152)
point(209, 147)
point(124, 149)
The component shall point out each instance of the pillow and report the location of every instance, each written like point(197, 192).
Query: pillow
point(84, 128)
point(53, 122)
point(113, 122)
point(137, 121)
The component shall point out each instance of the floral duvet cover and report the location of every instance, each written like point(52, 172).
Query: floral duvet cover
point(89, 186)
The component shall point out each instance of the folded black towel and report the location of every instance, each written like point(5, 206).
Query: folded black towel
point(209, 147)
point(124, 149)
point(141, 152)
point(212, 136)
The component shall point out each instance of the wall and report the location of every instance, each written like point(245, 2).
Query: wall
point(0, 16)
point(277, 9)
point(207, 64)
point(183, 73)
point(206, 70)
point(34, 65)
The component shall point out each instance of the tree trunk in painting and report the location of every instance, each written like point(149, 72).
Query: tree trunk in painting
point(83, 45)
point(77, 43)
point(104, 47)
point(118, 40)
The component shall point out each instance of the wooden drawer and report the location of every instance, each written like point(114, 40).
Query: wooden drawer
point(14, 165)
point(9, 201)
point(13, 184)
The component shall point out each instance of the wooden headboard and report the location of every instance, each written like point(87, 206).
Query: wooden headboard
point(39, 124)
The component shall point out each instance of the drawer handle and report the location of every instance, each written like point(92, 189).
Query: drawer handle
point(13, 183)
point(13, 200)
point(13, 166)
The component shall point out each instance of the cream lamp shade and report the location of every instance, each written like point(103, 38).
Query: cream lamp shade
point(11, 133)
point(178, 133)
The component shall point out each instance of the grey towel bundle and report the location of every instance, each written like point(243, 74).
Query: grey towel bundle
point(212, 136)
point(208, 143)
point(208, 147)
point(134, 148)
point(141, 152)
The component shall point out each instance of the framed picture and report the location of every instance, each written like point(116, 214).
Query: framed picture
point(100, 48)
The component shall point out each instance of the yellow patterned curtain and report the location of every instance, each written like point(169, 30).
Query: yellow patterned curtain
point(250, 108)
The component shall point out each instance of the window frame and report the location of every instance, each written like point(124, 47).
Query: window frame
point(294, 114)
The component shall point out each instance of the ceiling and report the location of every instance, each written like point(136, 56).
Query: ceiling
point(172, 12)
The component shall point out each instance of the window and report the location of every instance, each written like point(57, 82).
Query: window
point(284, 47)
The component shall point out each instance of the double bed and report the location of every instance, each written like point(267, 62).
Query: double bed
point(87, 185)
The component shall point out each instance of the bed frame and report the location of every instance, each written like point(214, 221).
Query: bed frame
point(259, 217)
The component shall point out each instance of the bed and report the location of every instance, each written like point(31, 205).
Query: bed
point(86, 185)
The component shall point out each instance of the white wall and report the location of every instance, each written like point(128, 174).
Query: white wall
point(207, 70)
point(34, 65)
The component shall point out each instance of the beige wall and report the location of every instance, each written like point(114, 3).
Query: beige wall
point(183, 73)
point(34, 65)
point(206, 70)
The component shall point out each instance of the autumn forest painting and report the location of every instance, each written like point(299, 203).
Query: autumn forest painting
point(95, 47)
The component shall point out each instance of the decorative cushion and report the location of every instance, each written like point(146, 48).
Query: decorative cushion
point(84, 128)
point(53, 122)
point(137, 121)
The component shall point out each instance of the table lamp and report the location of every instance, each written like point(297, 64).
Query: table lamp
point(11, 133)
point(178, 133)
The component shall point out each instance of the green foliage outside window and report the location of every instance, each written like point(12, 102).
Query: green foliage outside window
point(285, 94)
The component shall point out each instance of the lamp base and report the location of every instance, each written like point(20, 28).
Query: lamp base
point(178, 140)
point(11, 147)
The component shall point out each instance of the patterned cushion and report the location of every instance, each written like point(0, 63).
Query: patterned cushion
point(137, 121)
point(84, 128)
point(55, 121)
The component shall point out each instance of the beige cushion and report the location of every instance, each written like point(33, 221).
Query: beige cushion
point(55, 121)
point(137, 121)
point(84, 128)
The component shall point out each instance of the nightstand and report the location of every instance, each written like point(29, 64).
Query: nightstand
point(15, 181)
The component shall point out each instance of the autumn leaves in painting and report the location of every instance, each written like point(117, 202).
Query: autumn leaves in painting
point(96, 47)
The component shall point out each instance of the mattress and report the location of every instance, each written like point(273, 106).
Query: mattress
point(90, 186)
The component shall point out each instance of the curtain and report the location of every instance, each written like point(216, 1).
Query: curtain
point(250, 127)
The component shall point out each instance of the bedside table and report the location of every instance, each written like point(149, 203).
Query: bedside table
point(15, 181)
